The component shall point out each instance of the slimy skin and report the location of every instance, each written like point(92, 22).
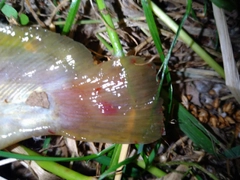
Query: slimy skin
point(50, 86)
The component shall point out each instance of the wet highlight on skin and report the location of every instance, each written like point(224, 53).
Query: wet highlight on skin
point(50, 86)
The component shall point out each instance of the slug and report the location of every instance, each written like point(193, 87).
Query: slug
point(49, 85)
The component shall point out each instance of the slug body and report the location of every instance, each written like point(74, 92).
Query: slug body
point(50, 86)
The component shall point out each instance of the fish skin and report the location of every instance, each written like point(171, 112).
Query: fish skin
point(50, 86)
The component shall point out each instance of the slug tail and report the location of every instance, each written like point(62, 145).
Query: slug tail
point(115, 102)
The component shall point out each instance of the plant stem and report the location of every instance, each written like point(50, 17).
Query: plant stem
point(117, 47)
point(188, 40)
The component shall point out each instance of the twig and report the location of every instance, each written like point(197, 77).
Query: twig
point(231, 73)
point(122, 157)
point(34, 14)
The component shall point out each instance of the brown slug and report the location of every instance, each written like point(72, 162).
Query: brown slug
point(50, 86)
